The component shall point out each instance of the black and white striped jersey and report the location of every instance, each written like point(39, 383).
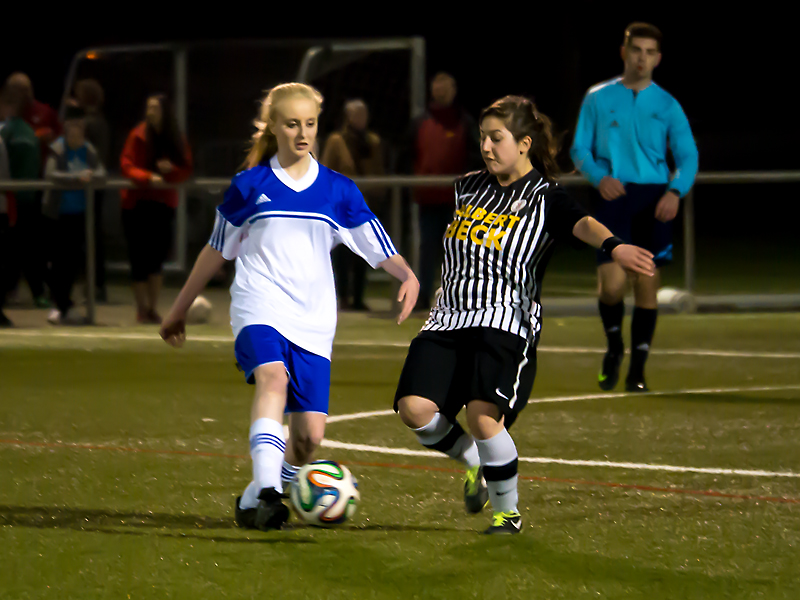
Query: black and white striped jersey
point(496, 250)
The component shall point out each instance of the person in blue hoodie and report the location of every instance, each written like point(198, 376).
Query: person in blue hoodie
point(625, 128)
point(73, 160)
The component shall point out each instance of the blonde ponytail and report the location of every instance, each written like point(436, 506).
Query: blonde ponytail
point(265, 144)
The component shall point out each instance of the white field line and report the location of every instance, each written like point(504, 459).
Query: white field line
point(579, 463)
point(562, 461)
point(772, 388)
point(378, 344)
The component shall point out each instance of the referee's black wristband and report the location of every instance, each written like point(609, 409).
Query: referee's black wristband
point(609, 244)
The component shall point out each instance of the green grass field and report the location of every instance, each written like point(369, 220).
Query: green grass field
point(120, 459)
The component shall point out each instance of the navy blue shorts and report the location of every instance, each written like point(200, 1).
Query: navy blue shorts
point(309, 373)
point(632, 218)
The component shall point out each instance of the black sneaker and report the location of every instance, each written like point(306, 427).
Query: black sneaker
point(245, 517)
point(636, 384)
point(476, 494)
point(271, 513)
point(609, 373)
point(505, 523)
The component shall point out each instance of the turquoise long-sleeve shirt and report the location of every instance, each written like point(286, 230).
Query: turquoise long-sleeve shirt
point(626, 134)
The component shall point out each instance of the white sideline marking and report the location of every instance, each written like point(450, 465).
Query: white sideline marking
point(360, 415)
point(773, 388)
point(563, 461)
point(377, 344)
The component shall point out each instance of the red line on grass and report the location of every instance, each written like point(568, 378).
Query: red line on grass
point(609, 484)
point(119, 449)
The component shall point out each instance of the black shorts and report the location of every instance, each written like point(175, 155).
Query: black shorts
point(632, 217)
point(451, 368)
point(148, 228)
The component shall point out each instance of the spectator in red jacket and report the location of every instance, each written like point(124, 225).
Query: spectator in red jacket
point(444, 141)
point(42, 118)
point(156, 151)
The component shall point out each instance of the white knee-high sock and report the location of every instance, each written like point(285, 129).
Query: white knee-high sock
point(499, 461)
point(250, 496)
point(449, 438)
point(288, 473)
point(267, 447)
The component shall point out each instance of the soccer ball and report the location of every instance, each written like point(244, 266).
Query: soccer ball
point(678, 300)
point(324, 493)
point(199, 311)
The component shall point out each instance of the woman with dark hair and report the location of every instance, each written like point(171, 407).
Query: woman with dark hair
point(155, 152)
point(478, 347)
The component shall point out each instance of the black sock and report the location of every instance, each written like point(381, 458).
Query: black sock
point(642, 328)
point(612, 314)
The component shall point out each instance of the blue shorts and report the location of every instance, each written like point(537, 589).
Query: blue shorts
point(632, 218)
point(309, 374)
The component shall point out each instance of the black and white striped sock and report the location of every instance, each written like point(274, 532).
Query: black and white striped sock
point(449, 438)
point(499, 460)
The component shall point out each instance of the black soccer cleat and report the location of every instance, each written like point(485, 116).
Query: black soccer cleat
point(609, 372)
point(245, 517)
point(271, 513)
point(505, 523)
point(476, 494)
point(636, 384)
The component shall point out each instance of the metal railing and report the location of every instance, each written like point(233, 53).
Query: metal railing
point(395, 183)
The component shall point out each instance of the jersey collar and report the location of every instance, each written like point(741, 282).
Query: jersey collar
point(298, 185)
point(531, 178)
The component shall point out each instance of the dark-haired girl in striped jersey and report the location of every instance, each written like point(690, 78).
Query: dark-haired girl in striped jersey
point(478, 346)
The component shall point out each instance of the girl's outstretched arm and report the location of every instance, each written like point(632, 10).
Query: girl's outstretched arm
point(173, 329)
point(398, 268)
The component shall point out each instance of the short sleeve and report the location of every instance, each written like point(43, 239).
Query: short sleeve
point(360, 230)
point(562, 212)
point(229, 225)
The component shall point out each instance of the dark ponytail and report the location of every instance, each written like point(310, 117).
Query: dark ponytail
point(523, 119)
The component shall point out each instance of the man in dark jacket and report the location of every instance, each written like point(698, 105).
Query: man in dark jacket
point(24, 162)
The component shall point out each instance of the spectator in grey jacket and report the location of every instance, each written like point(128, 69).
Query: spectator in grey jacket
point(5, 232)
point(73, 160)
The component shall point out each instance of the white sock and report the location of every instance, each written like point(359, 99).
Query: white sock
point(499, 460)
point(249, 498)
point(451, 439)
point(267, 447)
point(288, 473)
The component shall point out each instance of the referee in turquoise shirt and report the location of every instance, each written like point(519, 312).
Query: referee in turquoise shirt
point(624, 129)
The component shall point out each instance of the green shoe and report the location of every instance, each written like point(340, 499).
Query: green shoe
point(505, 523)
point(476, 494)
point(609, 372)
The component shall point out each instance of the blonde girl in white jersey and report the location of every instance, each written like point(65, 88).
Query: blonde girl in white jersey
point(279, 221)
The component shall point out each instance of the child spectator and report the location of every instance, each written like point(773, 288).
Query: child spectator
point(72, 159)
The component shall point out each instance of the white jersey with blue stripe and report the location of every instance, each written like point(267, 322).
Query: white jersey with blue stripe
point(280, 231)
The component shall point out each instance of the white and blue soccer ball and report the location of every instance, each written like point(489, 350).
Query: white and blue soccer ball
point(324, 493)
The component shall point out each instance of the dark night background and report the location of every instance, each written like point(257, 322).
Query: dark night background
point(733, 72)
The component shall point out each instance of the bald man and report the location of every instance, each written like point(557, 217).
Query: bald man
point(42, 118)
